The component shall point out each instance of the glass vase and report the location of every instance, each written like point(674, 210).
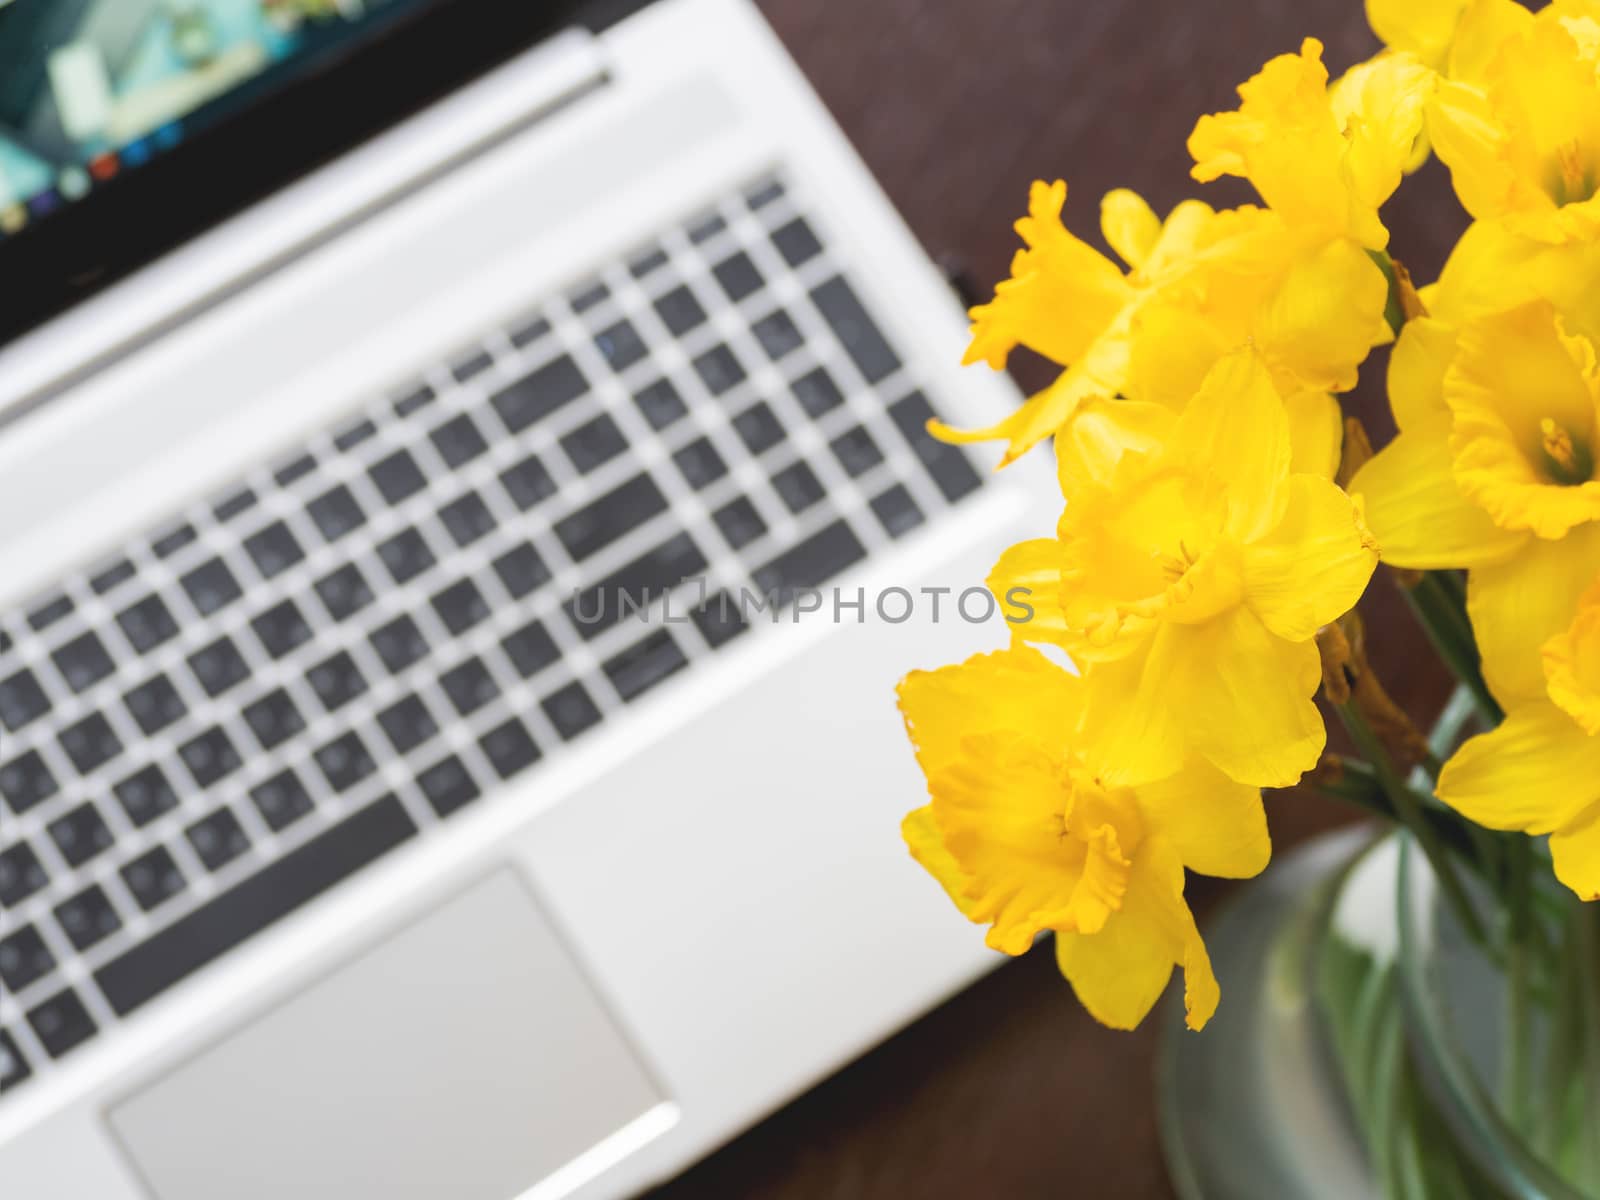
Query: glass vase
point(1368, 1046)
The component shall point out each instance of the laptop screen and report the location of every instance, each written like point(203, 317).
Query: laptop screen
point(90, 89)
point(128, 126)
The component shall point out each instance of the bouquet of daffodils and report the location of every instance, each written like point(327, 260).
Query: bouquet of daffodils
point(1222, 517)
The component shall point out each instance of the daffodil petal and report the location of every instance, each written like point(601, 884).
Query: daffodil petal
point(1325, 316)
point(1314, 566)
point(1424, 27)
point(1518, 604)
point(1576, 850)
point(1026, 583)
point(1536, 772)
point(1039, 417)
point(1094, 439)
point(1236, 424)
point(1417, 366)
point(1129, 226)
point(1120, 972)
point(926, 843)
point(1316, 433)
point(1416, 510)
point(1218, 827)
point(1467, 139)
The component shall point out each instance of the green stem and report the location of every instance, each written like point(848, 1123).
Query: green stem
point(1440, 605)
point(1588, 948)
point(1518, 1079)
point(1409, 809)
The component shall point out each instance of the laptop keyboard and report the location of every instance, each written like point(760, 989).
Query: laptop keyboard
point(361, 639)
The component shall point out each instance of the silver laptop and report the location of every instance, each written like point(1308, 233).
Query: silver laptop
point(464, 506)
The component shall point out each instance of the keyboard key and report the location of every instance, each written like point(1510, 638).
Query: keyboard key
point(345, 762)
point(281, 800)
point(764, 195)
point(817, 393)
point(207, 933)
point(948, 465)
point(590, 295)
point(210, 587)
point(281, 629)
point(83, 662)
point(460, 606)
point(598, 524)
point(660, 404)
point(234, 505)
point(210, 756)
point(218, 839)
point(406, 555)
point(647, 261)
point(274, 719)
point(352, 436)
point(397, 477)
point(571, 711)
point(49, 613)
point(632, 588)
point(679, 310)
point(644, 664)
point(856, 451)
point(414, 401)
point(22, 700)
point(527, 483)
point(758, 428)
point(778, 334)
point(509, 748)
point(336, 680)
point(528, 332)
point(273, 549)
point(719, 370)
point(467, 518)
point(448, 786)
point(25, 781)
point(147, 624)
point(169, 544)
point(530, 649)
point(155, 704)
point(812, 563)
point(90, 743)
point(407, 724)
point(621, 345)
point(719, 620)
point(700, 464)
point(344, 592)
point(399, 643)
point(473, 365)
point(521, 570)
point(841, 308)
point(705, 228)
point(13, 1067)
point(538, 395)
point(62, 1023)
point(738, 276)
point(798, 486)
point(897, 511)
point(469, 686)
point(24, 959)
point(739, 522)
point(110, 578)
point(336, 513)
point(458, 441)
point(219, 666)
point(21, 874)
point(593, 443)
point(796, 242)
point(81, 834)
point(146, 795)
point(153, 878)
point(296, 470)
point(87, 918)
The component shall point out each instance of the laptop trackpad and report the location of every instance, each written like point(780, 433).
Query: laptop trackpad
point(466, 1056)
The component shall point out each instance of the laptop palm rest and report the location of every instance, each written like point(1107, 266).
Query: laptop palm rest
point(465, 1056)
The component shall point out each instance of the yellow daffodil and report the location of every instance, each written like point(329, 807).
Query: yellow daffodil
point(1025, 834)
point(1539, 771)
point(1190, 572)
point(1522, 139)
point(1494, 469)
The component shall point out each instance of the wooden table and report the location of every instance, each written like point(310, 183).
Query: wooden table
point(1010, 1090)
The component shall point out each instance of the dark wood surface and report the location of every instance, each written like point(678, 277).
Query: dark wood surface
point(1010, 1090)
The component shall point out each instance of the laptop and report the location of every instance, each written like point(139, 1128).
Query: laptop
point(465, 503)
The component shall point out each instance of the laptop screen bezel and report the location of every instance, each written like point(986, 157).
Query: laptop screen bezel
point(337, 104)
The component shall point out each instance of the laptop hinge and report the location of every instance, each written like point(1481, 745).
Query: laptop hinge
point(308, 214)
